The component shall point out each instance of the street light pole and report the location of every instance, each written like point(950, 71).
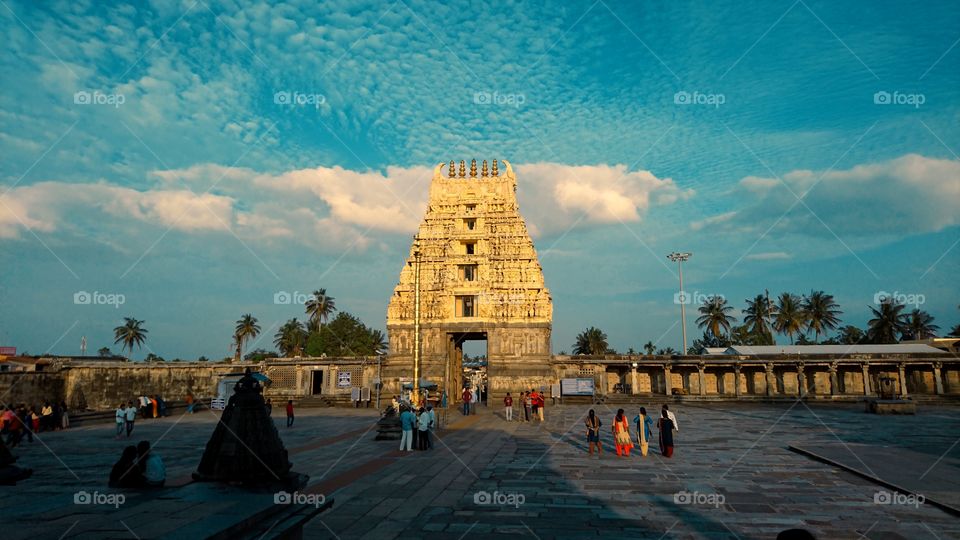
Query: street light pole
point(679, 258)
point(416, 322)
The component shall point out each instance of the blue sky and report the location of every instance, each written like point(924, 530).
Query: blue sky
point(150, 151)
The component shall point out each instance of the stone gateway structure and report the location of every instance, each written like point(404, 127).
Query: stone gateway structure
point(479, 279)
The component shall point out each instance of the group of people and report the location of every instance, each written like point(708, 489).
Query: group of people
point(22, 421)
point(416, 425)
point(152, 406)
point(532, 404)
point(138, 467)
point(666, 425)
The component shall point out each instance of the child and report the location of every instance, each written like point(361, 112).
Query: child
point(289, 412)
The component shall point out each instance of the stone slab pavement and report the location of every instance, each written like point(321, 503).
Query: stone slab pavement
point(732, 477)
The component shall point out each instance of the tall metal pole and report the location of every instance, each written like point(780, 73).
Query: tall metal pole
point(416, 323)
point(679, 258)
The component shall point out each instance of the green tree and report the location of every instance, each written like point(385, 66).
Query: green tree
point(246, 329)
point(649, 347)
point(887, 323)
point(344, 335)
point(203, 359)
point(259, 355)
point(153, 358)
point(919, 325)
point(319, 308)
point(669, 351)
point(757, 316)
point(104, 352)
point(714, 316)
point(379, 341)
point(591, 341)
point(130, 334)
point(291, 338)
point(822, 313)
point(790, 318)
point(848, 335)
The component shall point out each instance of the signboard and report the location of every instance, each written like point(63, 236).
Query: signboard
point(576, 387)
point(8, 351)
point(354, 394)
point(343, 379)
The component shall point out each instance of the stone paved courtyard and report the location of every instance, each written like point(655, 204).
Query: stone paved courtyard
point(734, 455)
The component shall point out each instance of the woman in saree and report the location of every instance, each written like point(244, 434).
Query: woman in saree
point(593, 432)
point(621, 434)
point(644, 430)
point(665, 425)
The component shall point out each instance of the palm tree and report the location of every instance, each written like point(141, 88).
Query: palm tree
point(649, 347)
point(247, 329)
point(130, 334)
point(591, 341)
point(380, 344)
point(886, 323)
point(714, 317)
point(789, 317)
point(290, 338)
point(822, 313)
point(319, 308)
point(919, 325)
point(757, 317)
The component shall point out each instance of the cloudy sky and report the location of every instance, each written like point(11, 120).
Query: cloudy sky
point(193, 158)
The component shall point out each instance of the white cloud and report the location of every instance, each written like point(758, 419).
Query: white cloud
point(768, 256)
point(909, 195)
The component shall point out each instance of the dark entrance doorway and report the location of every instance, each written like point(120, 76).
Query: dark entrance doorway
point(454, 377)
point(317, 383)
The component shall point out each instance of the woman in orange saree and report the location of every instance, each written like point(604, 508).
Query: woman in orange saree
point(621, 434)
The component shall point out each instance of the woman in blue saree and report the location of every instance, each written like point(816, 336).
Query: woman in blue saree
point(644, 430)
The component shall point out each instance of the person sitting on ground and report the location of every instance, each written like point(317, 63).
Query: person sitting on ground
point(150, 464)
point(125, 472)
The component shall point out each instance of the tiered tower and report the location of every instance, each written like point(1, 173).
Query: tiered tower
point(479, 279)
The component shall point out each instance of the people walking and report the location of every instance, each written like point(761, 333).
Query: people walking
point(644, 430)
point(665, 425)
point(466, 401)
point(289, 413)
point(672, 417)
point(423, 427)
point(527, 406)
point(407, 420)
point(534, 403)
point(130, 417)
point(508, 407)
point(593, 432)
point(621, 435)
point(121, 418)
point(541, 404)
point(431, 426)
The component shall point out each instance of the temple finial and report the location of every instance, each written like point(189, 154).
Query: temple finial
point(473, 168)
point(453, 169)
point(484, 171)
point(496, 172)
point(463, 168)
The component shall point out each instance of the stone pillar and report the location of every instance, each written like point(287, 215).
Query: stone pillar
point(736, 378)
point(834, 380)
point(903, 379)
point(865, 367)
point(801, 381)
point(771, 380)
point(667, 379)
point(633, 379)
point(703, 379)
point(937, 379)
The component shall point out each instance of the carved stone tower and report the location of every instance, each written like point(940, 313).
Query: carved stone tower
point(479, 280)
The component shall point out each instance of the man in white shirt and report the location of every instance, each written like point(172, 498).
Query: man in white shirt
point(672, 417)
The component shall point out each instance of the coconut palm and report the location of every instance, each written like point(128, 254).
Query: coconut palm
point(822, 313)
point(319, 308)
point(291, 338)
point(919, 325)
point(789, 318)
point(757, 317)
point(649, 347)
point(887, 323)
point(379, 342)
point(130, 334)
point(246, 329)
point(591, 341)
point(714, 316)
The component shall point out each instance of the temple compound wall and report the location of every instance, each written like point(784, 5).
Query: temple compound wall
point(478, 277)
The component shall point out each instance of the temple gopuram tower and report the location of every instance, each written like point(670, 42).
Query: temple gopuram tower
point(479, 280)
